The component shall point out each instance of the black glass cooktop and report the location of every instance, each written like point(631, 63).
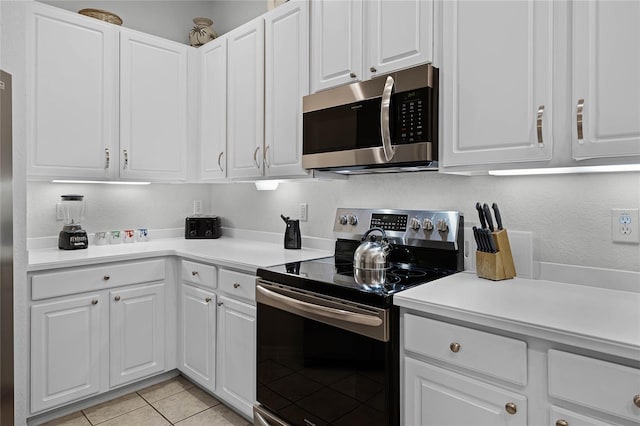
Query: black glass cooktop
point(334, 277)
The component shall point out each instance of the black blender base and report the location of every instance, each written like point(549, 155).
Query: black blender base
point(73, 240)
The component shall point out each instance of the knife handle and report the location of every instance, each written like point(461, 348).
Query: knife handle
point(483, 222)
point(496, 212)
point(476, 236)
point(492, 243)
point(487, 216)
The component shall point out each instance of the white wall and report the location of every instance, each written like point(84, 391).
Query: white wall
point(172, 19)
point(114, 207)
point(569, 215)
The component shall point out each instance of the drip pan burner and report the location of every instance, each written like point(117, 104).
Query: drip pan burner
point(408, 273)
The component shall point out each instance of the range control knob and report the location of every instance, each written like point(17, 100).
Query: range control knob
point(353, 219)
point(414, 223)
point(442, 225)
point(427, 225)
point(343, 220)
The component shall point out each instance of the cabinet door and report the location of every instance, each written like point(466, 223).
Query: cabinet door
point(336, 43)
point(606, 66)
point(153, 107)
point(286, 82)
point(237, 354)
point(66, 341)
point(136, 333)
point(245, 105)
point(496, 74)
point(198, 336)
point(71, 95)
point(434, 396)
point(399, 34)
point(213, 110)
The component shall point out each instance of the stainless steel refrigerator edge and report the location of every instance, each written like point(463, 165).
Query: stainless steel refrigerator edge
point(6, 253)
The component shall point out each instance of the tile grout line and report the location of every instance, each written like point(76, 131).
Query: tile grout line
point(162, 415)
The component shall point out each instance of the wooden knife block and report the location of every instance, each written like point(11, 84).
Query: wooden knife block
point(496, 266)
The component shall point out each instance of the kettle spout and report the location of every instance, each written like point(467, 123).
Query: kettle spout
point(285, 218)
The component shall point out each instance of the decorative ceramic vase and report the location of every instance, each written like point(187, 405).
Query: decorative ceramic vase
point(202, 33)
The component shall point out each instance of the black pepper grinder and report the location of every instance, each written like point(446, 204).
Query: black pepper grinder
point(292, 237)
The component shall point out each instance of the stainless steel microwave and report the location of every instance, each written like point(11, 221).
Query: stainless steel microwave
point(386, 124)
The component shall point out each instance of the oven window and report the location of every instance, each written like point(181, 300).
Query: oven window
point(310, 373)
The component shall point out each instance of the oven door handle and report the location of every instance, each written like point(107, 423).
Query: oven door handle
point(323, 311)
point(385, 105)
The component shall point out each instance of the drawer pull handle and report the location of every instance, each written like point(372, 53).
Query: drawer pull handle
point(579, 114)
point(455, 347)
point(236, 285)
point(539, 125)
point(511, 408)
point(219, 303)
point(194, 273)
point(94, 302)
point(562, 423)
point(117, 298)
point(207, 299)
point(636, 400)
point(106, 278)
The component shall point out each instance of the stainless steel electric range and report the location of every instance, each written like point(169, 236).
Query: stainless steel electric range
point(327, 342)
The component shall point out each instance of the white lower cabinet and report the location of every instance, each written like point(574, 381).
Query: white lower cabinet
point(93, 323)
point(236, 378)
point(435, 396)
point(561, 417)
point(198, 336)
point(136, 333)
point(66, 343)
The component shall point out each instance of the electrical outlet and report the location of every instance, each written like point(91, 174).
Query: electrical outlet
point(59, 212)
point(304, 209)
point(624, 226)
point(197, 206)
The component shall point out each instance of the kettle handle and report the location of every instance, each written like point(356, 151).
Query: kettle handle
point(366, 234)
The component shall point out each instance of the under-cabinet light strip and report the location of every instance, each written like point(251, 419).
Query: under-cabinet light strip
point(107, 182)
point(567, 170)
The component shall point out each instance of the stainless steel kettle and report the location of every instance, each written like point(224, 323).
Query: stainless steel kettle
point(370, 264)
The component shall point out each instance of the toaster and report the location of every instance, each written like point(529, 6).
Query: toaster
point(202, 226)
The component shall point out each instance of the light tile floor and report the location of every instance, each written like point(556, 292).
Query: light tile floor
point(173, 402)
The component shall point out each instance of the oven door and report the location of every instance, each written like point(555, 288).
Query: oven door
point(323, 361)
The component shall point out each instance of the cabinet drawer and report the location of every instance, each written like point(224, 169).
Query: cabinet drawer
point(593, 383)
point(486, 353)
point(238, 285)
point(560, 416)
point(79, 280)
point(198, 273)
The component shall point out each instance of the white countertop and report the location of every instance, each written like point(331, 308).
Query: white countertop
point(237, 253)
point(594, 318)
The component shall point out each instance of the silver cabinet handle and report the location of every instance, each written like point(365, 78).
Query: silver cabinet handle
point(236, 285)
point(539, 125)
point(389, 151)
point(266, 156)
point(220, 160)
point(372, 69)
point(255, 157)
point(352, 75)
point(107, 158)
point(207, 299)
point(106, 278)
point(194, 273)
point(579, 112)
point(117, 298)
point(220, 303)
point(94, 302)
point(126, 159)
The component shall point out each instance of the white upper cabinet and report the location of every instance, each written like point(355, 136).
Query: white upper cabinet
point(71, 89)
point(153, 107)
point(245, 105)
point(336, 43)
point(399, 34)
point(496, 82)
point(606, 79)
point(286, 82)
point(213, 110)
point(357, 40)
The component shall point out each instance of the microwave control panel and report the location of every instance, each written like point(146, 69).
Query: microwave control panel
point(411, 117)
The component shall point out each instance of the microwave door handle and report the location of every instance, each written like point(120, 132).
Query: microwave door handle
point(389, 150)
